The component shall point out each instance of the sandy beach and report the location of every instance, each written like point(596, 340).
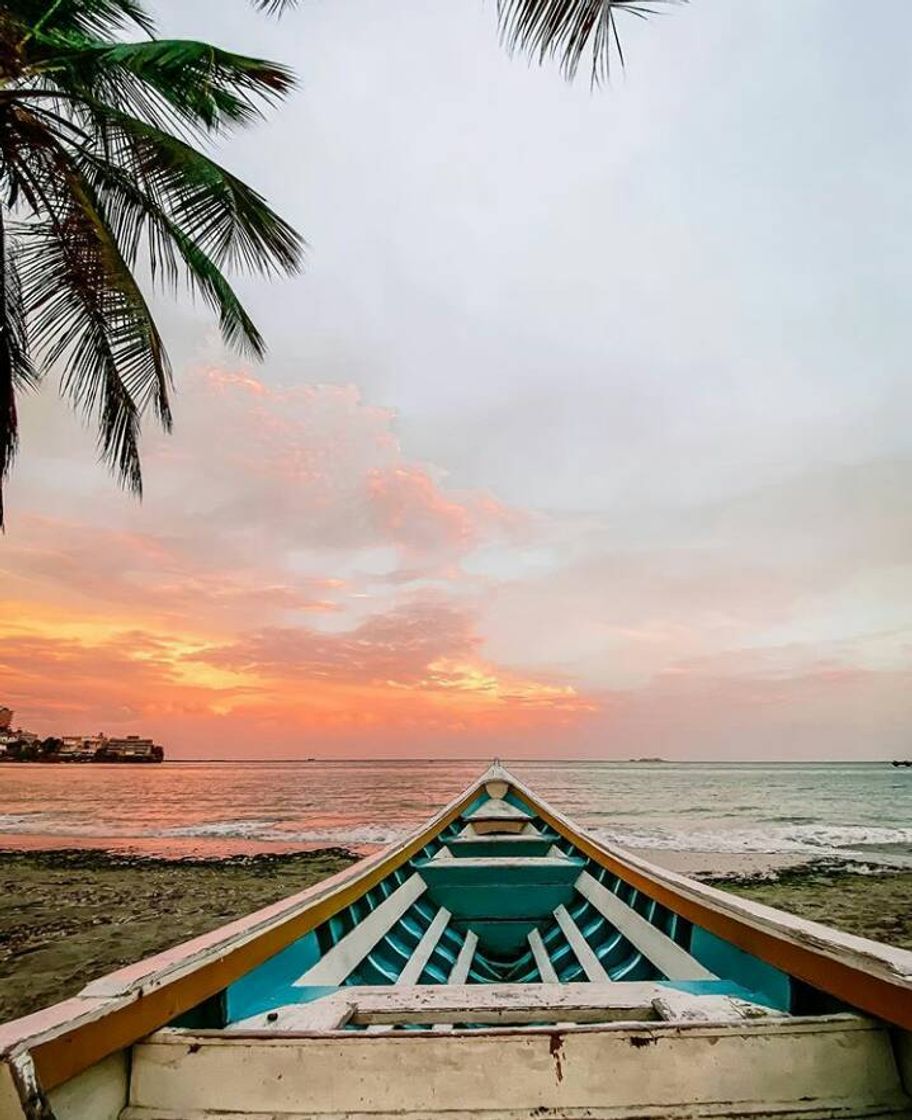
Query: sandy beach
point(69, 916)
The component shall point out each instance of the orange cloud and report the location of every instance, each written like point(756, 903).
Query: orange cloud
point(410, 674)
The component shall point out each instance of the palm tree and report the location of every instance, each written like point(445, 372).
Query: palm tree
point(99, 168)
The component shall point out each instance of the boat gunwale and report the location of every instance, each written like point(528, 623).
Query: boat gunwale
point(805, 949)
point(118, 1009)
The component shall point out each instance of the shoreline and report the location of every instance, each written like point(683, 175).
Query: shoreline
point(69, 915)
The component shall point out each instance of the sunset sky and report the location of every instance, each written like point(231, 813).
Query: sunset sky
point(585, 432)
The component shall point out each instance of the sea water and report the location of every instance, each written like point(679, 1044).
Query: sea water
point(860, 811)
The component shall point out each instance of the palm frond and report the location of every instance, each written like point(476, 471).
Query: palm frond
point(164, 79)
point(16, 370)
point(79, 17)
point(274, 7)
point(569, 29)
point(230, 221)
point(86, 310)
point(139, 223)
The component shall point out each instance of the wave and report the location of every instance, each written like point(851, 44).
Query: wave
point(266, 830)
point(784, 836)
point(810, 839)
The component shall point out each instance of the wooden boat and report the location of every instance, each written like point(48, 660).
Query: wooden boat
point(499, 963)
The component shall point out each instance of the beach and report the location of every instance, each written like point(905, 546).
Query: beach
point(103, 865)
point(69, 916)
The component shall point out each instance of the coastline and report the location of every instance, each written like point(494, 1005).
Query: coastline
point(70, 915)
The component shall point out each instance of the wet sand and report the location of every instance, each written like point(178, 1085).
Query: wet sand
point(68, 917)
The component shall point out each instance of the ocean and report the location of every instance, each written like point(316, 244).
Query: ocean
point(712, 816)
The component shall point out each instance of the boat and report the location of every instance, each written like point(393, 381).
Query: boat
point(499, 963)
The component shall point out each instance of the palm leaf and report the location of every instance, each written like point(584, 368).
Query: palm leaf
point(78, 17)
point(569, 29)
point(86, 310)
point(164, 79)
point(16, 370)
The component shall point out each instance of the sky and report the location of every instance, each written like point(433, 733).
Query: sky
point(585, 431)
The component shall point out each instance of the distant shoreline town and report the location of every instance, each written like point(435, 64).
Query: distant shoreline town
point(19, 745)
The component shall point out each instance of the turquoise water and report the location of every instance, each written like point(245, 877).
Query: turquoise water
point(843, 810)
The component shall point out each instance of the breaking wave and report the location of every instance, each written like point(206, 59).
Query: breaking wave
point(815, 839)
point(267, 831)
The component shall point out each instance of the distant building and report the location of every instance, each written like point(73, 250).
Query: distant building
point(131, 748)
point(79, 748)
point(6, 719)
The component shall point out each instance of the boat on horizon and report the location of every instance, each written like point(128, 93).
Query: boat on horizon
point(499, 963)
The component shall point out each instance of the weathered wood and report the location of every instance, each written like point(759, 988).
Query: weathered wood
point(592, 966)
point(98, 1093)
point(478, 1003)
point(328, 1014)
point(774, 1068)
point(334, 966)
point(542, 960)
point(422, 954)
point(683, 1007)
point(496, 809)
point(459, 973)
point(669, 958)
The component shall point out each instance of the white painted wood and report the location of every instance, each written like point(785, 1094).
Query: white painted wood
point(497, 789)
point(542, 960)
point(683, 1007)
point(669, 958)
point(774, 1068)
point(497, 810)
point(482, 1003)
point(99, 1092)
point(428, 943)
point(592, 966)
point(542, 863)
point(335, 965)
point(328, 1014)
point(459, 973)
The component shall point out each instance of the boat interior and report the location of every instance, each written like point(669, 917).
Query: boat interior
point(499, 897)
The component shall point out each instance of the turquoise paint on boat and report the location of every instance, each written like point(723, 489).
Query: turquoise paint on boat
point(499, 887)
point(270, 985)
point(732, 963)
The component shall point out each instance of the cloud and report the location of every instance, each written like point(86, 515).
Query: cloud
point(414, 673)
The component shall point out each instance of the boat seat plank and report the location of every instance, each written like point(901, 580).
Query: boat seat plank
point(328, 1014)
point(683, 1007)
point(592, 966)
point(335, 965)
point(542, 960)
point(668, 957)
point(497, 810)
